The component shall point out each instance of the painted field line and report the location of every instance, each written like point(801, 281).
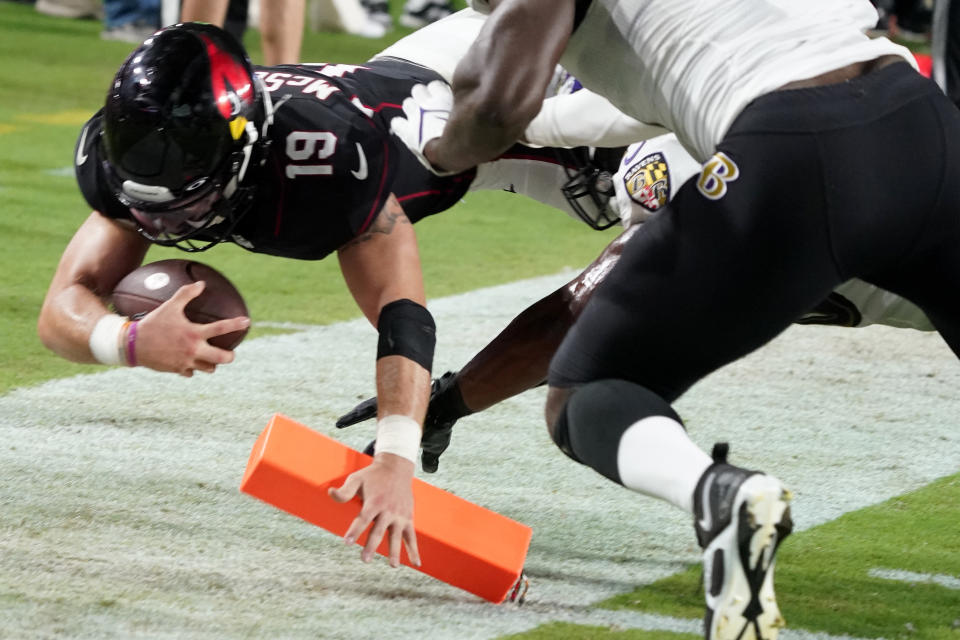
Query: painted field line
point(121, 515)
point(25, 120)
point(912, 577)
point(624, 620)
point(291, 326)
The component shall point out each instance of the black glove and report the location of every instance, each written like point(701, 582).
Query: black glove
point(445, 408)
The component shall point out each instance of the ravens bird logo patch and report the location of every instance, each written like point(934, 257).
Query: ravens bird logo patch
point(648, 181)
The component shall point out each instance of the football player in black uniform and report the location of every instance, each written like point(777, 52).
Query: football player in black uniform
point(791, 96)
point(195, 146)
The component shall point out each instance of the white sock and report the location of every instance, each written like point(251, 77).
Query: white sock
point(656, 457)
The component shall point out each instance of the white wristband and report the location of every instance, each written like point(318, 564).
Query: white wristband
point(105, 339)
point(399, 435)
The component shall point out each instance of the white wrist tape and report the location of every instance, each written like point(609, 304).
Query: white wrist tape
point(105, 339)
point(399, 435)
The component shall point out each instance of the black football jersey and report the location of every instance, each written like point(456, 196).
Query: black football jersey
point(331, 163)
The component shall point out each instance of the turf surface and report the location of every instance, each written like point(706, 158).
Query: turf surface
point(885, 571)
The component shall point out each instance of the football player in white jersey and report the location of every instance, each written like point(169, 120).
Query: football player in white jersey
point(653, 166)
point(516, 360)
point(808, 130)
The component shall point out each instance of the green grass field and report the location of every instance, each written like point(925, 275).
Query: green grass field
point(889, 571)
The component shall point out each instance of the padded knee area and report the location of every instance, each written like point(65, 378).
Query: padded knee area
point(597, 414)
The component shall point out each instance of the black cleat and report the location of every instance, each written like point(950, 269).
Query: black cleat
point(741, 518)
point(379, 12)
point(420, 13)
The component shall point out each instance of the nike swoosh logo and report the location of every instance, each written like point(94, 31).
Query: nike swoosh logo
point(81, 156)
point(706, 522)
point(361, 172)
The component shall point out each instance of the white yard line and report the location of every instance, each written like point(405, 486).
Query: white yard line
point(120, 514)
point(912, 577)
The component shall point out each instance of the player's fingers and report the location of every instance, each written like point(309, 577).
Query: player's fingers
point(420, 93)
point(220, 327)
point(396, 539)
point(346, 491)
point(356, 528)
point(440, 90)
point(398, 125)
point(186, 373)
point(206, 367)
point(374, 538)
point(363, 411)
point(186, 293)
point(430, 462)
point(206, 352)
point(410, 542)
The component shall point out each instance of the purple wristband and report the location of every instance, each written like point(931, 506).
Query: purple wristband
point(132, 344)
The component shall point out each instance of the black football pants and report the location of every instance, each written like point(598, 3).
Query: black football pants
point(819, 185)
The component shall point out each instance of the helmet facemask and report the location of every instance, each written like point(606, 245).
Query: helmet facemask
point(588, 189)
point(204, 213)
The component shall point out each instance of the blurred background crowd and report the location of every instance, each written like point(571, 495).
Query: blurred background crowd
point(134, 20)
point(909, 20)
point(281, 21)
point(929, 27)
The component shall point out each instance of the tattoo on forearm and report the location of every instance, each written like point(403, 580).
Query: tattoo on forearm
point(389, 217)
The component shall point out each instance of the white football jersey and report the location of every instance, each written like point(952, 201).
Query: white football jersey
point(584, 119)
point(692, 66)
point(650, 174)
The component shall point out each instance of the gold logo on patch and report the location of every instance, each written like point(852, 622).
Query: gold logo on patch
point(237, 126)
point(648, 182)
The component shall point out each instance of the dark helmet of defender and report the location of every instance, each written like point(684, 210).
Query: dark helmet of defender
point(183, 121)
point(589, 186)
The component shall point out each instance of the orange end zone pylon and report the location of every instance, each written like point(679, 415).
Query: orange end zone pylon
point(465, 545)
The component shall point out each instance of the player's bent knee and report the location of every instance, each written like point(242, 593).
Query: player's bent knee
point(556, 418)
point(595, 416)
point(556, 401)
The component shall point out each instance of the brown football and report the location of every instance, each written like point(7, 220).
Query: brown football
point(146, 288)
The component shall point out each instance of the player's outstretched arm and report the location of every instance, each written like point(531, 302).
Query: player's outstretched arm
point(100, 254)
point(585, 119)
point(445, 408)
point(382, 270)
point(513, 362)
point(500, 84)
point(518, 358)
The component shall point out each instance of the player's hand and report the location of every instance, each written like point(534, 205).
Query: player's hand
point(442, 414)
point(436, 444)
point(425, 115)
point(386, 490)
point(167, 341)
point(363, 411)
